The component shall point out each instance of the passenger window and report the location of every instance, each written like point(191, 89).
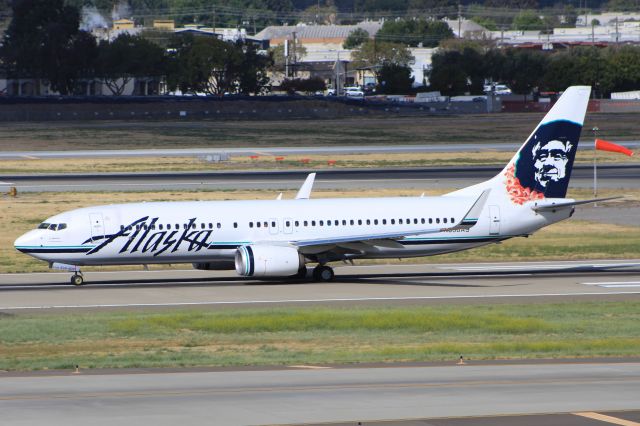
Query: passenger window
point(218, 225)
point(178, 226)
point(328, 223)
point(313, 223)
point(297, 223)
point(438, 220)
point(168, 226)
point(121, 228)
point(368, 221)
point(444, 220)
point(384, 221)
point(321, 223)
point(400, 221)
point(375, 221)
point(306, 223)
point(258, 224)
point(287, 223)
point(344, 222)
point(393, 221)
point(453, 220)
point(210, 225)
point(160, 227)
point(201, 225)
point(430, 221)
point(273, 225)
point(235, 224)
point(336, 222)
point(422, 221)
point(359, 221)
point(250, 224)
point(351, 222)
point(415, 221)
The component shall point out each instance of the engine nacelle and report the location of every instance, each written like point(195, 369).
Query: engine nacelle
point(218, 265)
point(268, 261)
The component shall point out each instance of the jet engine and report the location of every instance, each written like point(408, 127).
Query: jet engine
point(268, 261)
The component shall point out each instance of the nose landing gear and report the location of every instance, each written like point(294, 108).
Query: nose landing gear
point(77, 279)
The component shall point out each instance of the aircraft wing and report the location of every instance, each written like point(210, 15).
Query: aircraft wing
point(388, 239)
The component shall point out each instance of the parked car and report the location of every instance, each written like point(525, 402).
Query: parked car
point(353, 92)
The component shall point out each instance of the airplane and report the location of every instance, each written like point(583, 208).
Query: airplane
point(278, 238)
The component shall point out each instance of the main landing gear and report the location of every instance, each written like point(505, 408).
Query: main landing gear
point(77, 279)
point(323, 273)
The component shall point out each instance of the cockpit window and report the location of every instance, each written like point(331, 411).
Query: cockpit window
point(53, 226)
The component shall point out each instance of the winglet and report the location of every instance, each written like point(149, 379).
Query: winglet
point(471, 218)
point(304, 193)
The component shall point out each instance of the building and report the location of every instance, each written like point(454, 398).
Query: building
point(123, 24)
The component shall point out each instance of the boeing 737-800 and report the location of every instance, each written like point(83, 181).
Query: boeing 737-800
point(278, 238)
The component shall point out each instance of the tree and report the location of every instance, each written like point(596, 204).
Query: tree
point(528, 20)
point(252, 75)
point(309, 85)
point(414, 32)
point(320, 14)
point(394, 78)
point(373, 54)
point(204, 64)
point(456, 72)
point(524, 70)
point(355, 38)
point(41, 38)
point(295, 54)
point(127, 57)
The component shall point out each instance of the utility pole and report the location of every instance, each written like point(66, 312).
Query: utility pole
point(295, 60)
point(459, 20)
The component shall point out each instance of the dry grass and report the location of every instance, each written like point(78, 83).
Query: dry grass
point(269, 162)
point(349, 131)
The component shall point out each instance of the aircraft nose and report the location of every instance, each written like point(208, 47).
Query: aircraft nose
point(27, 241)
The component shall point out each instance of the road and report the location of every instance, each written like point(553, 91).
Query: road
point(609, 176)
point(317, 150)
point(306, 394)
point(529, 282)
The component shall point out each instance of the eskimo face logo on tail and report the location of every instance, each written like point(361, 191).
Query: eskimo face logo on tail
point(543, 166)
point(550, 161)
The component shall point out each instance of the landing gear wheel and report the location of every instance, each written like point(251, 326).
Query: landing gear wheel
point(77, 280)
point(323, 273)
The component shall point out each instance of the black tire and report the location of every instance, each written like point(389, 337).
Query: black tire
point(301, 274)
point(323, 273)
point(77, 280)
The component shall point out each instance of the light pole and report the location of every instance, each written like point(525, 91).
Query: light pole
point(595, 161)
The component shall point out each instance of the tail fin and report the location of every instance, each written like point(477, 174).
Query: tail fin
point(542, 167)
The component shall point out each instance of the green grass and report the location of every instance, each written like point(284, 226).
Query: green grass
point(287, 336)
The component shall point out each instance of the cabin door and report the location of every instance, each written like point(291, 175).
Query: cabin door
point(97, 225)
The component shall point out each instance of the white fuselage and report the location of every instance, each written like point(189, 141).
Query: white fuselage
point(210, 231)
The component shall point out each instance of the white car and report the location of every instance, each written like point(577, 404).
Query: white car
point(353, 92)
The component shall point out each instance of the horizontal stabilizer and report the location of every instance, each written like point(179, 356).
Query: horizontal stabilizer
point(550, 205)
